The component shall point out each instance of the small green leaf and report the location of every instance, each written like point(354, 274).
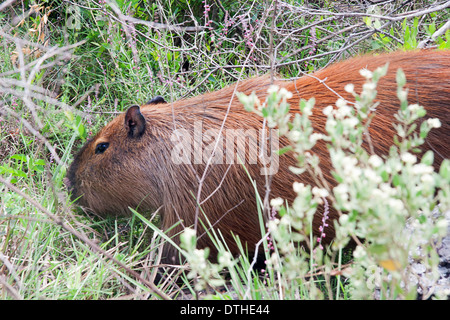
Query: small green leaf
point(378, 249)
point(18, 173)
point(444, 171)
point(396, 180)
point(384, 176)
point(337, 177)
point(401, 78)
point(422, 219)
point(284, 150)
point(20, 157)
point(69, 115)
point(424, 129)
point(40, 162)
point(81, 131)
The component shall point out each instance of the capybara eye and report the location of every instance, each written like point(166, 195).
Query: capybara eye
point(101, 147)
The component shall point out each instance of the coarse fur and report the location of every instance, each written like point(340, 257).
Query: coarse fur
point(137, 169)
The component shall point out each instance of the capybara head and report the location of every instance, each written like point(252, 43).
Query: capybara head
point(108, 173)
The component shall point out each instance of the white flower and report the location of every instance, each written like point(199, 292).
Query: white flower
point(315, 136)
point(225, 259)
point(328, 110)
point(244, 99)
point(372, 176)
point(409, 158)
point(402, 95)
point(298, 187)
point(378, 194)
point(319, 192)
point(349, 162)
point(387, 189)
point(370, 86)
point(343, 111)
point(189, 232)
point(351, 122)
point(375, 161)
point(273, 89)
point(283, 92)
point(434, 123)
point(188, 237)
point(307, 111)
point(273, 224)
point(442, 226)
point(413, 107)
point(277, 202)
point(366, 73)
point(396, 204)
point(331, 123)
point(355, 174)
point(359, 252)
point(350, 88)
point(285, 221)
point(383, 193)
point(350, 169)
point(421, 168)
point(341, 103)
point(294, 135)
point(343, 219)
point(341, 191)
point(199, 255)
point(427, 179)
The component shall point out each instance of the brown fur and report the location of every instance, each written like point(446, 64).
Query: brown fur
point(136, 170)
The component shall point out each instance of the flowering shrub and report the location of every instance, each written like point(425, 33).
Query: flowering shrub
point(205, 273)
point(382, 197)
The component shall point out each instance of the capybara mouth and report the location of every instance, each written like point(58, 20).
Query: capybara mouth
point(67, 183)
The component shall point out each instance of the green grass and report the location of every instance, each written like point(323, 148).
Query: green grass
point(75, 91)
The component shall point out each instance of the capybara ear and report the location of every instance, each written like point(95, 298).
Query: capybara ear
point(156, 100)
point(134, 122)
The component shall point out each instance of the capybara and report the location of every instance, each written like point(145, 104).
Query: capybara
point(134, 161)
